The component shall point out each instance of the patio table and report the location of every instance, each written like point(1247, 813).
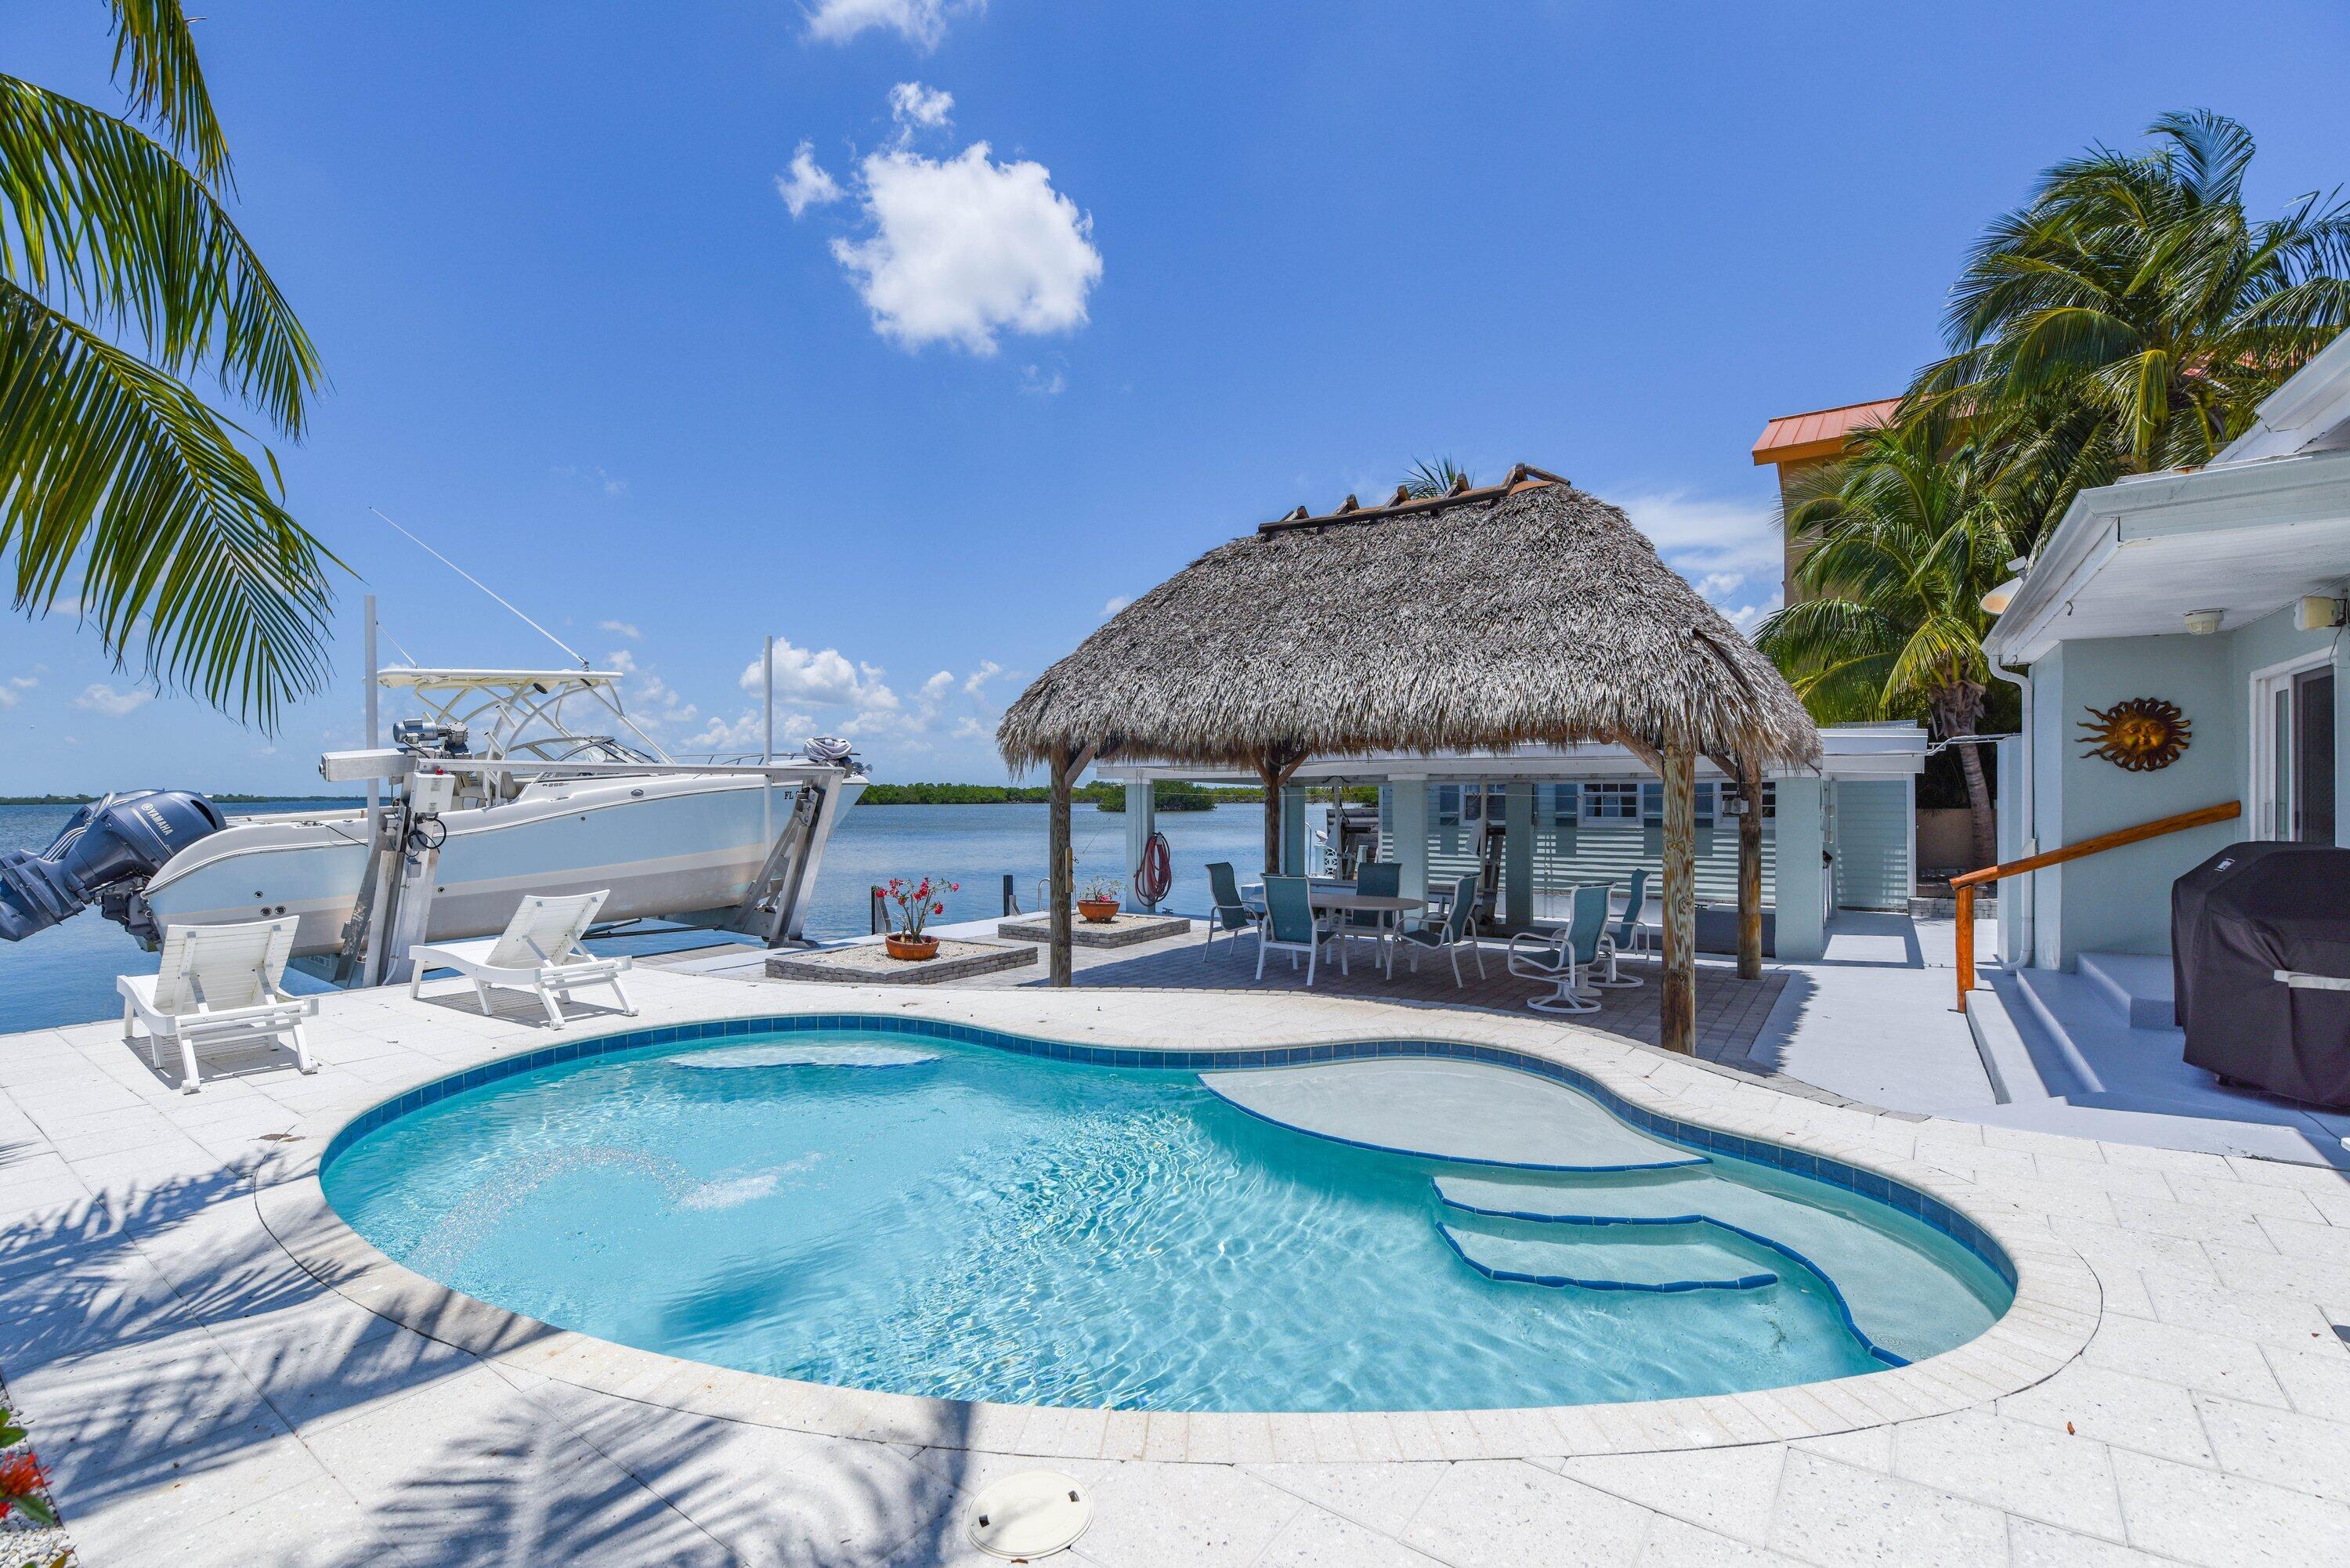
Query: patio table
point(1345, 900)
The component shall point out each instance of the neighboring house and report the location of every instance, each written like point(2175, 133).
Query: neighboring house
point(2219, 590)
point(1799, 445)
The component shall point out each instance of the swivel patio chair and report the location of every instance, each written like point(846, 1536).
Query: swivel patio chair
point(1290, 924)
point(1564, 958)
point(1231, 914)
point(1628, 935)
point(1456, 931)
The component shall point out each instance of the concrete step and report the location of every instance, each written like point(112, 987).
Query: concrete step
point(2139, 985)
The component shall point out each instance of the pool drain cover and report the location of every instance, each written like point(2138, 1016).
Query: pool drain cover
point(1030, 1515)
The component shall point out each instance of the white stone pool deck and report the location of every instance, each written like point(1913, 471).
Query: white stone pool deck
point(2171, 1385)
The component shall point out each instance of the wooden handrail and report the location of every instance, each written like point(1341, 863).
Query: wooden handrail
point(1965, 885)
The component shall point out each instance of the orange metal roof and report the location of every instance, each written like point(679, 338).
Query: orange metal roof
point(1795, 438)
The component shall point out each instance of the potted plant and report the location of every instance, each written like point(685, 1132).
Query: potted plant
point(1097, 901)
point(916, 903)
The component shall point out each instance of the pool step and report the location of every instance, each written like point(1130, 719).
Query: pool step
point(1670, 1256)
point(1872, 1270)
point(1471, 1112)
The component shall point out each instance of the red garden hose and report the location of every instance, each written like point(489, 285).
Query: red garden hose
point(1155, 875)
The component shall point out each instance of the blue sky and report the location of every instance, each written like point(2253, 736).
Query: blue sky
point(916, 334)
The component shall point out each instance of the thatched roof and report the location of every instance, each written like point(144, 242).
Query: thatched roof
point(1525, 611)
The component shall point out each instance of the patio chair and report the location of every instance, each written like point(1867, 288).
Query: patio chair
point(539, 952)
point(1564, 958)
point(1456, 931)
point(1289, 924)
point(1378, 879)
point(218, 988)
point(1231, 913)
point(1630, 934)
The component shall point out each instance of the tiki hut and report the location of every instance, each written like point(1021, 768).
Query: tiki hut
point(1526, 611)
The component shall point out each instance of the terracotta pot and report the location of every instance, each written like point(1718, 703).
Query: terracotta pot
point(916, 947)
point(1098, 911)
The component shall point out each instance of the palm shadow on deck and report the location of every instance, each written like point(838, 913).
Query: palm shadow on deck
point(175, 1365)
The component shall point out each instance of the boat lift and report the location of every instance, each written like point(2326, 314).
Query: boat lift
point(389, 918)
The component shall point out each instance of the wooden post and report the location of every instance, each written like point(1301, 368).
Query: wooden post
point(1749, 871)
point(1677, 1001)
point(1966, 913)
point(1275, 768)
point(1062, 863)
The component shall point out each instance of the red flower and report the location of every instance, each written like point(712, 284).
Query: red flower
point(20, 1476)
point(937, 908)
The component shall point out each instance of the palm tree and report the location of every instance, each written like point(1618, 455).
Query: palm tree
point(120, 491)
point(1427, 479)
point(2131, 316)
point(1911, 532)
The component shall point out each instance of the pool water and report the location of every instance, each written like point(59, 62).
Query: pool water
point(941, 1219)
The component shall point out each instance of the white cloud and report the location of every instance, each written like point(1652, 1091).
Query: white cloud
point(1701, 538)
point(970, 729)
point(964, 248)
point(824, 678)
point(988, 670)
point(918, 22)
point(805, 184)
point(936, 688)
point(1116, 605)
point(620, 628)
point(1038, 382)
point(746, 733)
point(914, 106)
point(13, 692)
point(100, 698)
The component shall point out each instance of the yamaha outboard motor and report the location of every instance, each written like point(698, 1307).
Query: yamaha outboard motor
point(107, 852)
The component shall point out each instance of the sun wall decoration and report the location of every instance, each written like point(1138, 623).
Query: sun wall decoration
point(2141, 735)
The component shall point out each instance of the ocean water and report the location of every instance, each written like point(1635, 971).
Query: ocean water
point(962, 1222)
point(66, 974)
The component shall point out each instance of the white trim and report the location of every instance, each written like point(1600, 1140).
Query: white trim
point(2262, 687)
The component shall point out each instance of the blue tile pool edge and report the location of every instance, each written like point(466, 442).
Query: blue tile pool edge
point(1894, 1194)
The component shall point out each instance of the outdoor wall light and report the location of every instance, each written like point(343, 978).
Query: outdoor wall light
point(1996, 601)
point(2203, 623)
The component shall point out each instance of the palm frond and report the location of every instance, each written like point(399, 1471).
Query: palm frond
point(112, 470)
point(155, 61)
point(98, 211)
point(1427, 479)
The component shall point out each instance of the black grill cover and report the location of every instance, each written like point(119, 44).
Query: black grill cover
point(2236, 920)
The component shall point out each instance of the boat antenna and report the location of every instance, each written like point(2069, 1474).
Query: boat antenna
point(487, 589)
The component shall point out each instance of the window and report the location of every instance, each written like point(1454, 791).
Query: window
point(1620, 802)
point(1445, 802)
point(1560, 803)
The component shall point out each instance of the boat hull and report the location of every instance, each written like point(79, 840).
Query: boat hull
point(666, 847)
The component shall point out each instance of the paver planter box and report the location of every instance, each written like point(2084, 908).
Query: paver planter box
point(1118, 932)
point(869, 963)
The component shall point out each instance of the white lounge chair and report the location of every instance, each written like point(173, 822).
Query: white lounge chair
point(539, 952)
point(218, 988)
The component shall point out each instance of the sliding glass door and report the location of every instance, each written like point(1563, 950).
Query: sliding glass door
point(2292, 761)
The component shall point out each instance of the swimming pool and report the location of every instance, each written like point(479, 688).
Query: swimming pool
point(913, 1208)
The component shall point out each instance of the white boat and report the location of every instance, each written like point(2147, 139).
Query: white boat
point(498, 793)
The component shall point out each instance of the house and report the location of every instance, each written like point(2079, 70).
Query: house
point(1799, 446)
point(2220, 592)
